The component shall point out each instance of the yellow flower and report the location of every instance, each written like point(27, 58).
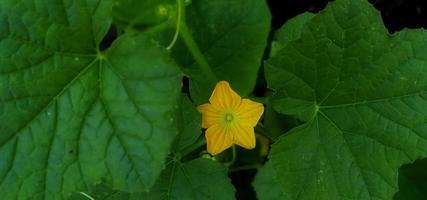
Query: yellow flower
point(229, 119)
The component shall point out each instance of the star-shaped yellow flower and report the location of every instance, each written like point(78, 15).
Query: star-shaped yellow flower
point(229, 119)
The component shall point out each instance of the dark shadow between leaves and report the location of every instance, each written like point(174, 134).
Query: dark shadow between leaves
point(108, 38)
point(413, 181)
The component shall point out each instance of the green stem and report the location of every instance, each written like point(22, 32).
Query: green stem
point(195, 50)
point(233, 158)
point(87, 196)
point(178, 23)
point(199, 143)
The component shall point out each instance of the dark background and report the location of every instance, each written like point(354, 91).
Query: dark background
point(396, 14)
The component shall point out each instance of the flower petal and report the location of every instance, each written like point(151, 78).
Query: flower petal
point(218, 139)
point(224, 96)
point(244, 136)
point(210, 115)
point(249, 112)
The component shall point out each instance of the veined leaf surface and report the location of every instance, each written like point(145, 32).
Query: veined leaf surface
point(72, 116)
point(363, 95)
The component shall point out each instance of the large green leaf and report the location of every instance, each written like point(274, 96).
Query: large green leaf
point(290, 32)
point(363, 95)
point(189, 123)
point(277, 124)
point(197, 179)
point(225, 37)
point(101, 192)
point(231, 37)
point(71, 116)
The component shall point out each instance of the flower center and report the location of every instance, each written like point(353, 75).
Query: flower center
point(229, 117)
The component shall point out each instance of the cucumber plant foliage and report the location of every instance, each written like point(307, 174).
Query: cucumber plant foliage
point(80, 121)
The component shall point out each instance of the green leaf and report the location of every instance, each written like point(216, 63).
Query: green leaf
point(137, 13)
point(72, 117)
point(292, 31)
point(189, 122)
point(101, 191)
point(277, 124)
point(198, 179)
point(267, 184)
point(220, 37)
point(362, 93)
point(229, 38)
